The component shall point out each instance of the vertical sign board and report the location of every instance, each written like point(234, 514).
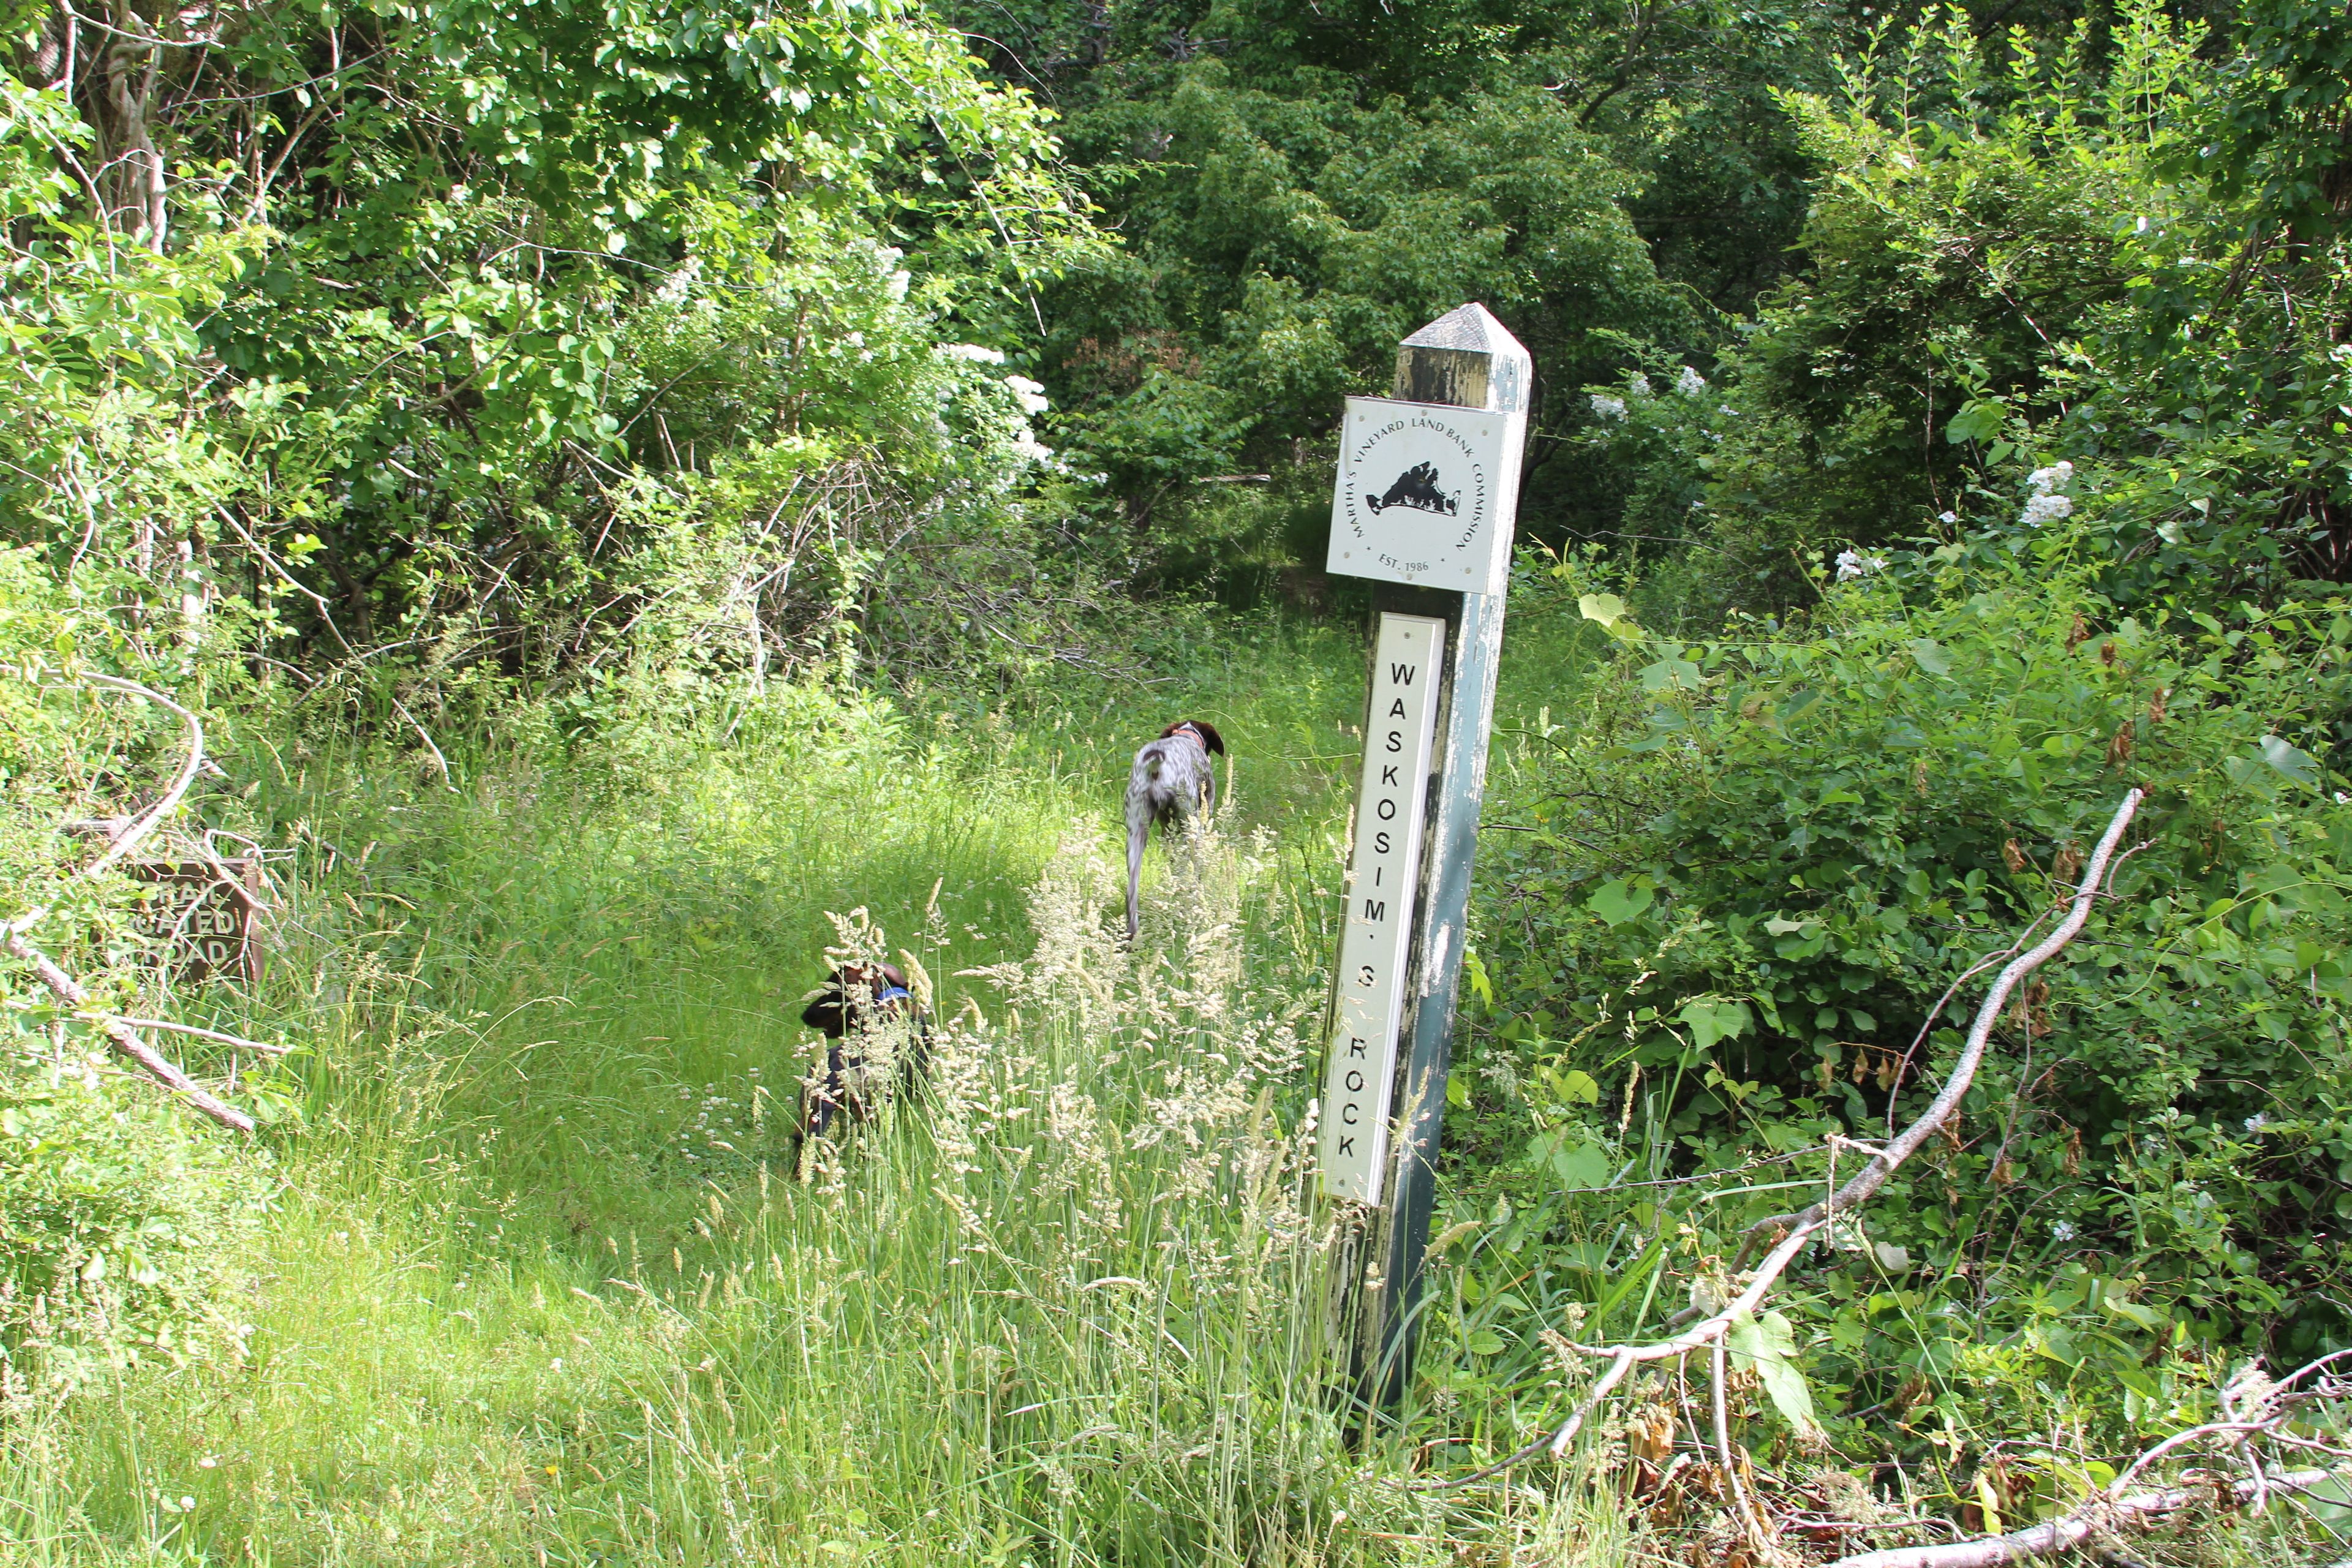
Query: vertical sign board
point(1383, 878)
point(209, 915)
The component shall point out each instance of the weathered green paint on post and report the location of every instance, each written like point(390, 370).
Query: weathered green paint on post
point(1467, 359)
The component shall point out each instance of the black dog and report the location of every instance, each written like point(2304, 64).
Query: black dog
point(1172, 779)
point(877, 1041)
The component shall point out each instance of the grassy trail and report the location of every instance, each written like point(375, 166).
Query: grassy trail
point(538, 1290)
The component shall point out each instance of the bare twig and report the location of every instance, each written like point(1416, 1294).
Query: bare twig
point(146, 821)
point(128, 836)
point(1719, 1374)
point(1902, 1068)
point(439, 761)
point(214, 1035)
point(1882, 1164)
point(121, 1032)
point(2252, 1406)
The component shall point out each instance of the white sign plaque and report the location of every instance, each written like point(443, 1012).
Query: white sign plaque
point(1383, 874)
point(1426, 495)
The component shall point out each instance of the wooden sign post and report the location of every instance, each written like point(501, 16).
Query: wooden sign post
point(1424, 506)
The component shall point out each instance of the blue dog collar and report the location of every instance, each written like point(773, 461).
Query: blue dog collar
point(892, 993)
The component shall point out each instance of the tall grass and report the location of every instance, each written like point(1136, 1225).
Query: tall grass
point(542, 1285)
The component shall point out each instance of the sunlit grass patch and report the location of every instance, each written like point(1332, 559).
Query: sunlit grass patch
point(541, 1281)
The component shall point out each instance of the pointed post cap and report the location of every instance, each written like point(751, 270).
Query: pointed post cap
point(1466, 358)
point(1472, 328)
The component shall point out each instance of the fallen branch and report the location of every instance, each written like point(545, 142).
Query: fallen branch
point(135, 833)
point(2102, 1512)
point(1799, 1228)
point(126, 1039)
point(1882, 1164)
point(122, 1033)
point(2252, 1406)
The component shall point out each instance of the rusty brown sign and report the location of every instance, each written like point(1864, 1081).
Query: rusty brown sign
point(208, 912)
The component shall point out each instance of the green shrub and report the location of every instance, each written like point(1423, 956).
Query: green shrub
point(1746, 877)
point(118, 1213)
point(2021, 253)
point(115, 1210)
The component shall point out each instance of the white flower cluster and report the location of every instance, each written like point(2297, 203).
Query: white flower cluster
point(1607, 408)
point(1853, 563)
point(716, 1118)
point(2257, 1122)
point(1690, 384)
point(2063, 1231)
point(895, 277)
point(1031, 394)
point(680, 282)
point(2048, 503)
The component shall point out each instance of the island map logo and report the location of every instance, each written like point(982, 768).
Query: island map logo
point(1416, 488)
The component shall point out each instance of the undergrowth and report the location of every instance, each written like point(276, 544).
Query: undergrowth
point(539, 1281)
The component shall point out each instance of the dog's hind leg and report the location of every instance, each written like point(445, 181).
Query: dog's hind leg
point(1138, 832)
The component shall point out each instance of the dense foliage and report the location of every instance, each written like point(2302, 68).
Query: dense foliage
point(1752, 866)
point(384, 365)
point(1301, 185)
point(2016, 263)
point(436, 329)
point(770, 451)
point(2021, 493)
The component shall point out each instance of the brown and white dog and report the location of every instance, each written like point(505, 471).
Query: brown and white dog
point(876, 1043)
point(1172, 779)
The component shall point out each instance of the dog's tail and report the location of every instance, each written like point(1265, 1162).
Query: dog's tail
point(1140, 785)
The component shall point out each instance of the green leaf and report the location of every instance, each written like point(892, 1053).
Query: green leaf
point(1481, 985)
point(1621, 899)
point(1575, 1087)
point(1670, 674)
point(1796, 701)
point(2249, 773)
point(1485, 1342)
point(2291, 760)
point(1931, 655)
point(1977, 421)
point(1768, 1348)
point(1578, 1161)
point(1711, 1021)
point(1606, 608)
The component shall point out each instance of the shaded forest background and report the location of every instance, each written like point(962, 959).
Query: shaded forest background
point(525, 435)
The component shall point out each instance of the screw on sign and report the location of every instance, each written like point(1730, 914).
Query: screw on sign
point(207, 911)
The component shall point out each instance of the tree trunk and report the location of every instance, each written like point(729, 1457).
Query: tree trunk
point(134, 63)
